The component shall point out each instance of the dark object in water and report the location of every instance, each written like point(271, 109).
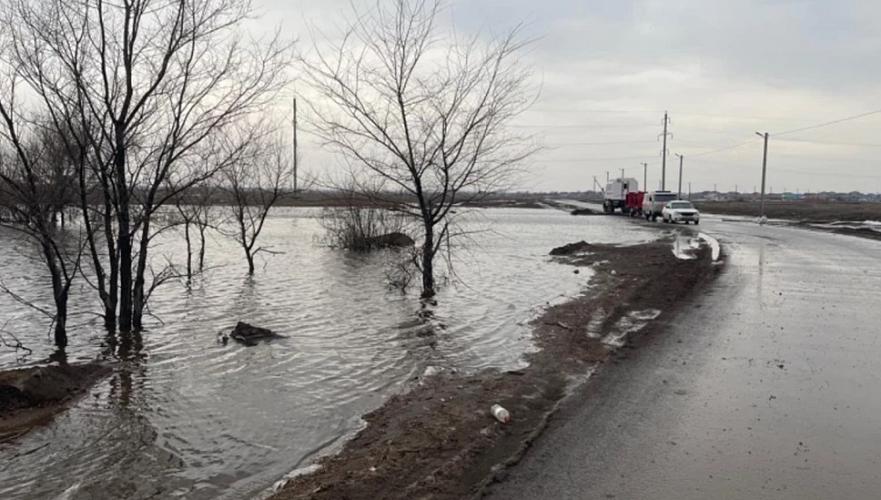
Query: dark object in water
point(390, 240)
point(250, 335)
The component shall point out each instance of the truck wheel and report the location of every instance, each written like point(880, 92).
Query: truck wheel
point(697, 222)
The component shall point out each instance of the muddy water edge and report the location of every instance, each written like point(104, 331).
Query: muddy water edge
point(439, 441)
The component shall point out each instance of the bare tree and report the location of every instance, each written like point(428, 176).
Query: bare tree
point(196, 211)
point(422, 113)
point(32, 180)
point(255, 184)
point(150, 82)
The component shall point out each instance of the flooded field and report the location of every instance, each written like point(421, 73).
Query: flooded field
point(184, 416)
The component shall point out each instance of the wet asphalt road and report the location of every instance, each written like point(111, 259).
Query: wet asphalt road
point(766, 386)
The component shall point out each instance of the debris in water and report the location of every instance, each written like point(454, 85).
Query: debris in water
point(250, 334)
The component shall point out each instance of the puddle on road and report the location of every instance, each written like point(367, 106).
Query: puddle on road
point(685, 247)
point(632, 322)
point(713, 244)
point(871, 225)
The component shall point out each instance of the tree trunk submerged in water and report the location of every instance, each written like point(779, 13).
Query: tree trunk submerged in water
point(250, 258)
point(59, 294)
point(124, 238)
point(201, 248)
point(61, 320)
point(428, 262)
point(189, 251)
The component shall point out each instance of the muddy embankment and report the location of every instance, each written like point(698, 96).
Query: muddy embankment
point(32, 396)
point(439, 440)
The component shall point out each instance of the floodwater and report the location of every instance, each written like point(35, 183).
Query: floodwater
point(184, 416)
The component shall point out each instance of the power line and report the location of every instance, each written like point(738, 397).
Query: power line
point(827, 174)
point(604, 143)
point(727, 148)
point(583, 160)
point(826, 124)
point(578, 126)
point(833, 143)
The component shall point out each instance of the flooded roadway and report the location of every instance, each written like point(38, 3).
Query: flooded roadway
point(767, 386)
point(183, 416)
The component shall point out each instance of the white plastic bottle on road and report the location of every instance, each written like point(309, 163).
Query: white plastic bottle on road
point(501, 414)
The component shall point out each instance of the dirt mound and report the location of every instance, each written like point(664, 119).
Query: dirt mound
point(31, 394)
point(572, 249)
point(585, 211)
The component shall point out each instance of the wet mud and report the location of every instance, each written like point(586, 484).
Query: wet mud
point(439, 440)
point(32, 396)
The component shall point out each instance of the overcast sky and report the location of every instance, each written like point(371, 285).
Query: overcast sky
point(608, 69)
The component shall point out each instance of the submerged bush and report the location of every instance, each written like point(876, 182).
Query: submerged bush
point(362, 229)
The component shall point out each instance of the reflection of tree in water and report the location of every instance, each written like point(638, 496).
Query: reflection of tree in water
point(131, 441)
point(127, 348)
point(244, 302)
point(423, 330)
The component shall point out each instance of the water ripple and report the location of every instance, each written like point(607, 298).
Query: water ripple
point(185, 416)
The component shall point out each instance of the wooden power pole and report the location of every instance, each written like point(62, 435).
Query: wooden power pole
point(664, 154)
point(764, 169)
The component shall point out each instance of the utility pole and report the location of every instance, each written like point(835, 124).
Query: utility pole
point(681, 158)
point(689, 190)
point(607, 177)
point(294, 123)
point(664, 154)
point(645, 176)
point(764, 169)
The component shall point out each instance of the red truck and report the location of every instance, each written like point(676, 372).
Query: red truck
point(633, 203)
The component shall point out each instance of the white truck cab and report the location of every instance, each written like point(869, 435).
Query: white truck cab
point(615, 195)
point(653, 203)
